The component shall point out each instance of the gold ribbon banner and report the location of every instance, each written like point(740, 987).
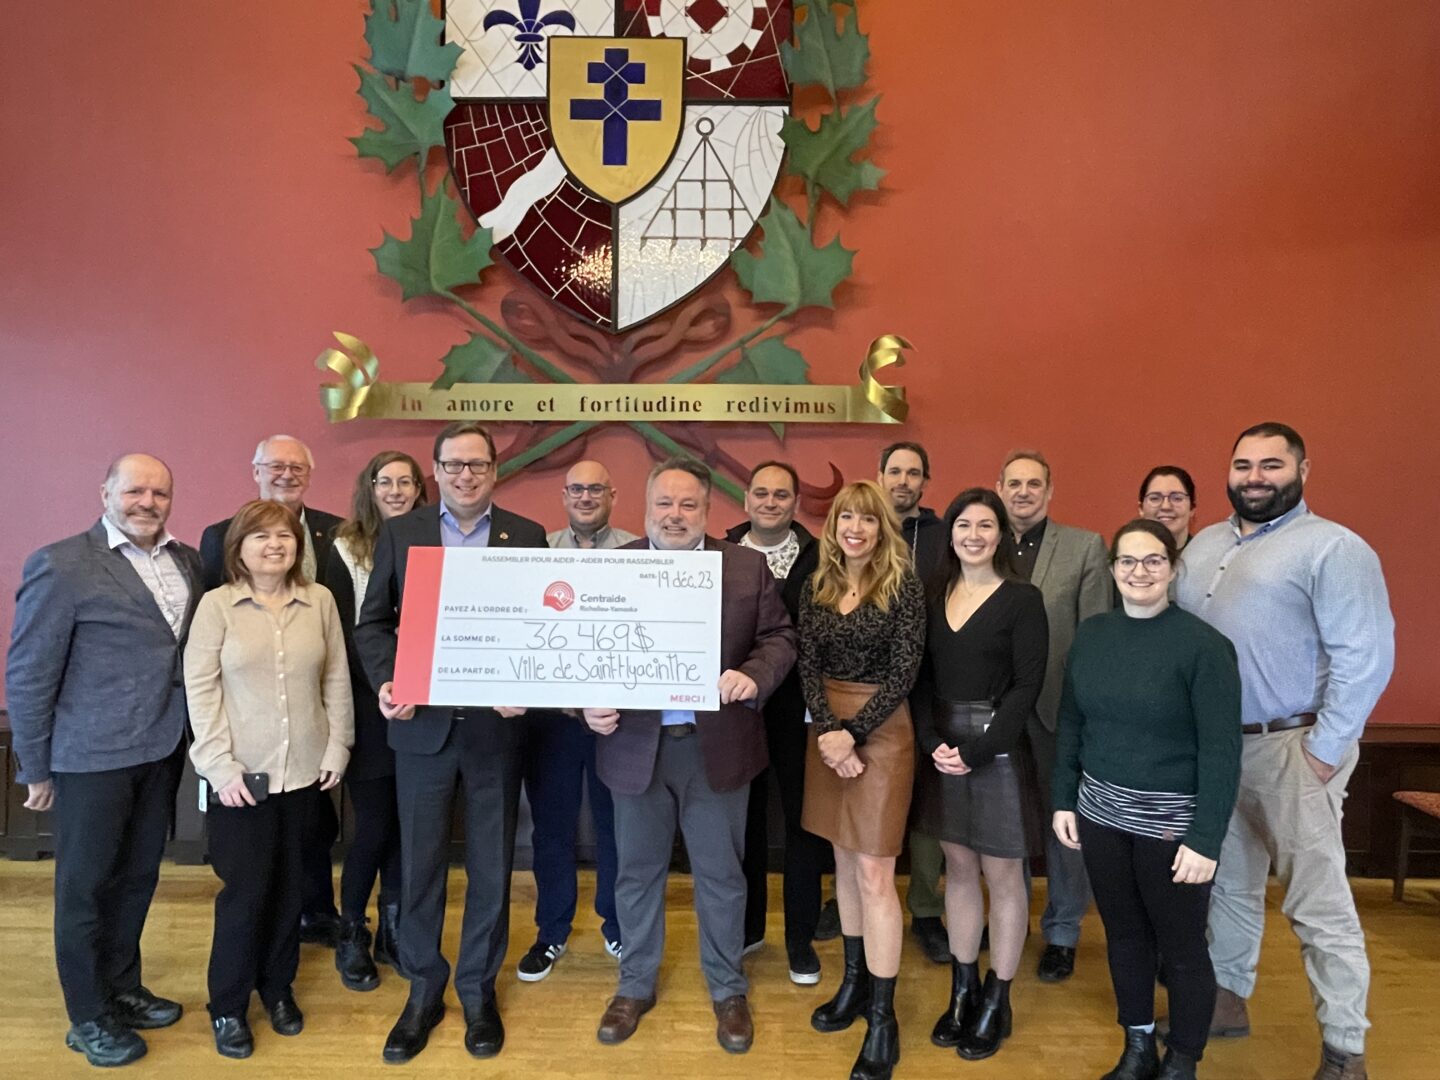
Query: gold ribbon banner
point(360, 394)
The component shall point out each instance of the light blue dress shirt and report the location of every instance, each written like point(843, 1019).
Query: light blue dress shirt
point(451, 536)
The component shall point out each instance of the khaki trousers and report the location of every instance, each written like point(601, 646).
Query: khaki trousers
point(1285, 819)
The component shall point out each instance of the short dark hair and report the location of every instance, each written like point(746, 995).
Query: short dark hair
point(463, 427)
point(1026, 455)
point(261, 514)
point(915, 448)
point(1271, 429)
point(794, 476)
point(1169, 470)
point(679, 463)
point(1002, 560)
point(1149, 528)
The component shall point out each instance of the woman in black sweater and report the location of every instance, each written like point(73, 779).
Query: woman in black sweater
point(1148, 763)
point(984, 662)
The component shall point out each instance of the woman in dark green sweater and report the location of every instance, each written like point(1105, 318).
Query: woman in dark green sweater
point(1148, 762)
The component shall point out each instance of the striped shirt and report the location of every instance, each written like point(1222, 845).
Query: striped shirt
point(1161, 815)
point(158, 570)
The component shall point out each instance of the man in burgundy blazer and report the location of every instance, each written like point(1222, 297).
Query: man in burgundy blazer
point(694, 769)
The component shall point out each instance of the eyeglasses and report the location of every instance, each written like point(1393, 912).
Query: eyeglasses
point(1174, 498)
point(386, 483)
point(280, 468)
point(593, 490)
point(1153, 563)
point(455, 468)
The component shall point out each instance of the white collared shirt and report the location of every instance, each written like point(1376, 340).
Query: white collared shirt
point(158, 570)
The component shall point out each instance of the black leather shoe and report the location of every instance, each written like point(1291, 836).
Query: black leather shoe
point(387, 928)
point(853, 997)
point(286, 1017)
point(1057, 963)
point(352, 956)
point(320, 928)
point(232, 1036)
point(828, 926)
point(142, 1010)
point(988, 1024)
point(412, 1031)
point(964, 998)
point(105, 1042)
point(934, 942)
point(1141, 1059)
point(484, 1031)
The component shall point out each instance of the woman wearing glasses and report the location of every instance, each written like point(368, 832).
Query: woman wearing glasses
point(390, 485)
point(1167, 495)
point(1147, 767)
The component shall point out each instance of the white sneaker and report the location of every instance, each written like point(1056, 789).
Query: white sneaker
point(613, 948)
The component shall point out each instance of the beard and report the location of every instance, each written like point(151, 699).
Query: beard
point(1279, 502)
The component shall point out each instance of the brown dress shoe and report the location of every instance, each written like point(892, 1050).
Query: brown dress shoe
point(1231, 1019)
point(734, 1029)
point(1338, 1065)
point(622, 1017)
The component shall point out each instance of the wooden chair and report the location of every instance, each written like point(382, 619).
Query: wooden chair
point(1419, 816)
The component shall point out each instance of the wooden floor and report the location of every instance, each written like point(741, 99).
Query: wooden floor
point(1060, 1031)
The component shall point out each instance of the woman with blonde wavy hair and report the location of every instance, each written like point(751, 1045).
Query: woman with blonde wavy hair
point(862, 636)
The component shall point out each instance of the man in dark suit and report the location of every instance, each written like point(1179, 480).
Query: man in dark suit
point(282, 468)
point(1071, 569)
point(436, 748)
point(694, 768)
point(97, 705)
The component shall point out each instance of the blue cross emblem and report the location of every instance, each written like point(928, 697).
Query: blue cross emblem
point(618, 108)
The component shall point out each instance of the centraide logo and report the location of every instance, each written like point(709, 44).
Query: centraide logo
point(559, 595)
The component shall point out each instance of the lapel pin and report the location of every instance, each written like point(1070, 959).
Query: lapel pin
point(504, 536)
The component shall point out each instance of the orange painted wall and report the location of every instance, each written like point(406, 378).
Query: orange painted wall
point(1119, 231)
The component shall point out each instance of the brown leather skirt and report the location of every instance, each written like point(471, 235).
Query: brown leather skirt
point(868, 813)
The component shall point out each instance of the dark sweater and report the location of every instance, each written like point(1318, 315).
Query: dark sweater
point(1153, 705)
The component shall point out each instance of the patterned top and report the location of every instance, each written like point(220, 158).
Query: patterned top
point(781, 557)
point(867, 646)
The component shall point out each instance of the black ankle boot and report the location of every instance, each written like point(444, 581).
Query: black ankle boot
point(851, 999)
point(880, 1052)
point(387, 925)
point(988, 1024)
point(1176, 1066)
point(1140, 1061)
point(352, 956)
point(964, 997)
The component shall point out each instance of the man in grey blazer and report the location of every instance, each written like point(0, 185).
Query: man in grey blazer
point(1069, 567)
point(439, 749)
point(693, 769)
point(96, 697)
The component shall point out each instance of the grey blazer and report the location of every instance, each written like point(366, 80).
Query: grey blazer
point(93, 679)
point(1071, 573)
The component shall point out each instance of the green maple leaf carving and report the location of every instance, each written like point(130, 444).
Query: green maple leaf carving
point(769, 361)
point(823, 156)
point(822, 54)
point(437, 257)
point(409, 127)
point(793, 271)
point(409, 46)
point(479, 360)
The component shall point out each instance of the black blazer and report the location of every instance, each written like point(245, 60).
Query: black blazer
point(322, 528)
point(375, 635)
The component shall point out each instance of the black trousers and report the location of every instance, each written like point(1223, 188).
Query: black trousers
point(110, 833)
point(806, 855)
point(1144, 911)
point(318, 868)
point(256, 853)
point(481, 757)
point(375, 848)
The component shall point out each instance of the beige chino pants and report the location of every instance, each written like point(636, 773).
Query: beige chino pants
point(1286, 819)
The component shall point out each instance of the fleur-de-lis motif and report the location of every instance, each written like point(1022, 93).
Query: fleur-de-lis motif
point(529, 28)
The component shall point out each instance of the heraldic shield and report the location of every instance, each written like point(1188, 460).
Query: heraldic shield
point(615, 107)
point(618, 150)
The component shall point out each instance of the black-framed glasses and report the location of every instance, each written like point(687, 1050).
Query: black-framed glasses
point(455, 468)
point(1174, 498)
point(1153, 563)
point(593, 490)
point(280, 468)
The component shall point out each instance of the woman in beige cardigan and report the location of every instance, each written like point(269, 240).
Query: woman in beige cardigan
point(269, 695)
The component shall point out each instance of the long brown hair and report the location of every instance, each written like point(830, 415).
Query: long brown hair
point(888, 564)
point(260, 514)
point(363, 526)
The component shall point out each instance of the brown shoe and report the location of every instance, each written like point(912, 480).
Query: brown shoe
point(622, 1017)
point(734, 1029)
point(1231, 1019)
point(1338, 1065)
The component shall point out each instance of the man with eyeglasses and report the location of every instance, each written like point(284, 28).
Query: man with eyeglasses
point(1070, 567)
point(282, 467)
point(560, 764)
point(436, 749)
